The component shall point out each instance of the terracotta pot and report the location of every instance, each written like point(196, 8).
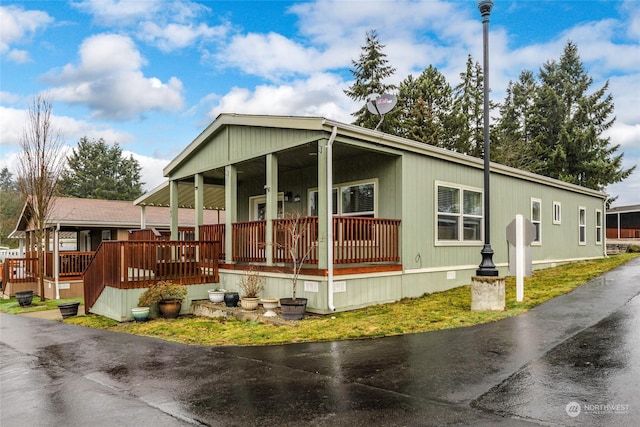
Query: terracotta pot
point(249, 303)
point(293, 309)
point(170, 309)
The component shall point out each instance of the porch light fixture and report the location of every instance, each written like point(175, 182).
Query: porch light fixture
point(486, 267)
point(296, 198)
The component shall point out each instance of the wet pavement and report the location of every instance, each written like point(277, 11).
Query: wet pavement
point(574, 360)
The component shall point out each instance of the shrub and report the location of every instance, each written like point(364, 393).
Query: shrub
point(160, 291)
point(252, 284)
point(633, 249)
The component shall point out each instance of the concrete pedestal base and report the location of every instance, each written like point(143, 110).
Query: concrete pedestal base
point(487, 293)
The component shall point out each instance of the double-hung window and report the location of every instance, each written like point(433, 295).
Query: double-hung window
point(582, 225)
point(557, 213)
point(536, 220)
point(598, 227)
point(459, 214)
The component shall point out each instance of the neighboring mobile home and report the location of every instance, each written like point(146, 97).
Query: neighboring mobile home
point(75, 228)
point(383, 217)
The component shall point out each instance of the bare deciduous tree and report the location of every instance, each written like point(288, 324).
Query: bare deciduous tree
point(40, 164)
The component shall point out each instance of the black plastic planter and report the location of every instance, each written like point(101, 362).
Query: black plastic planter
point(24, 298)
point(231, 299)
point(69, 309)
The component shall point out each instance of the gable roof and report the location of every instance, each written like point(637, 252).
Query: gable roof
point(76, 212)
point(160, 195)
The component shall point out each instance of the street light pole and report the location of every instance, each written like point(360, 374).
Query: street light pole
point(486, 267)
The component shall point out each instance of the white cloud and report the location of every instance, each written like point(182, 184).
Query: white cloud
point(109, 80)
point(120, 12)
point(19, 56)
point(177, 36)
point(13, 122)
point(151, 169)
point(17, 24)
point(269, 56)
point(321, 95)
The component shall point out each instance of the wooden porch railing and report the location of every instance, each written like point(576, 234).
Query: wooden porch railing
point(359, 240)
point(19, 270)
point(248, 241)
point(287, 231)
point(184, 233)
point(137, 264)
point(356, 240)
point(214, 233)
point(72, 263)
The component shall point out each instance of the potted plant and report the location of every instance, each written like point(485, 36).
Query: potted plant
point(24, 298)
point(216, 295)
point(294, 308)
point(269, 304)
point(251, 285)
point(167, 295)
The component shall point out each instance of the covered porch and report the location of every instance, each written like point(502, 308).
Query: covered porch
point(341, 193)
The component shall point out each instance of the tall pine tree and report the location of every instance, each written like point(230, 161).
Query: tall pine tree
point(425, 108)
point(568, 122)
point(370, 71)
point(511, 142)
point(468, 107)
point(99, 171)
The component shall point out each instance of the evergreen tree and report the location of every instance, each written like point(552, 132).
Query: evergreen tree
point(98, 171)
point(370, 71)
point(468, 105)
point(11, 204)
point(568, 123)
point(425, 108)
point(511, 142)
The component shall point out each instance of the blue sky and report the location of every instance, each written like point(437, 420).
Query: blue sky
point(151, 75)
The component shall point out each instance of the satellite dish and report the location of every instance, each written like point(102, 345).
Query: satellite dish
point(381, 105)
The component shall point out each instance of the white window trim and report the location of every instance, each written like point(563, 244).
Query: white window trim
point(557, 208)
point(582, 209)
point(338, 187)
point(460, 242)
point(599, 228)
point(255, 200)
point(539, 221)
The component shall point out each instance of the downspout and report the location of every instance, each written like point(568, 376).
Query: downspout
point(56, 259)
point(332, 138)
point(603, 226)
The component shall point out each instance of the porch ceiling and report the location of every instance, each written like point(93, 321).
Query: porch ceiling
point(159, 196)
point(300, 157)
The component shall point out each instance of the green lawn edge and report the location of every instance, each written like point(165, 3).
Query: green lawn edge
point(430, 312)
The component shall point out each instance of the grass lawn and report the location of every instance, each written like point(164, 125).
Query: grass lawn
point(441, 310)
point(11, 306)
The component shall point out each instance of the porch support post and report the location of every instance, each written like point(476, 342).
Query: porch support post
point(271, 191)
point(199, 204)
point(56, 259)
point(143, 217)
point(231, 209)
point(173, 206)
point(322, 208)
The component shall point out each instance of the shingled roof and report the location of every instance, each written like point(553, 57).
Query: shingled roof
point(69, 211)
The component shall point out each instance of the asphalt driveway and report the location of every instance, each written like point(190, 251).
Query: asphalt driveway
point(574, 360)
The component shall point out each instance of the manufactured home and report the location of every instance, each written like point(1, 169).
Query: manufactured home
point(74, 230)
point(381, 217)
